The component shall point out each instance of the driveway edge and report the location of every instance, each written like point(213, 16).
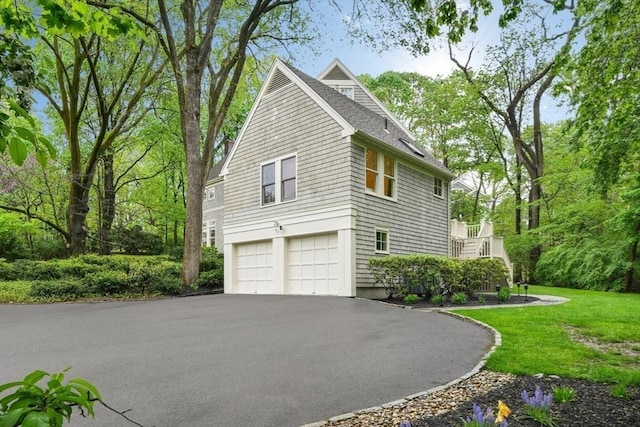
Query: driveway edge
point(497, 342)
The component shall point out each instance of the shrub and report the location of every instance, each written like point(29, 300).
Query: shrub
point(58, 290)
point(435, 275)
point(437, 299)
point(107, 282)
point(459, 298)
point(7, 273)
point(211, 259)
point(36, 270)
point(210, 279)
point(135, 241)
point(411, 299)
point(74, 267)
point(166, 286)
point(504, 294)
point(46, 249)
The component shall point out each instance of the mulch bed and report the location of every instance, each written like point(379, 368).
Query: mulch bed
point(489, 299)
point(594, 405)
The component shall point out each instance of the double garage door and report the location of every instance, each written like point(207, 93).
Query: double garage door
point(311, 266)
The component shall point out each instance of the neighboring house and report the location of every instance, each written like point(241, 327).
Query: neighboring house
point(322, 178)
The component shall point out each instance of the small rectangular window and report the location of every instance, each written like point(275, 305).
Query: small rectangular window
point(212, 194)
point(382, 241)
point(437, 187)
point(389, 176)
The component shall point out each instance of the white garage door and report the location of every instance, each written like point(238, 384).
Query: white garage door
point(254, 266)
point(313, 265)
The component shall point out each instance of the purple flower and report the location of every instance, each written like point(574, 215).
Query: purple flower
point(538, 400)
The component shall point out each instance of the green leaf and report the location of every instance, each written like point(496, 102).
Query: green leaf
point(7, 386)
point(13, 417)
point(3, 144)
point(35, 376)
point(36, 419)
point(20, 111)
point(86, 385)
point(18, 151)
point(25, 133)
point(52, 150)
point(42, 158)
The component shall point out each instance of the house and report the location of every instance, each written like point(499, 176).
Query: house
point(322, 178)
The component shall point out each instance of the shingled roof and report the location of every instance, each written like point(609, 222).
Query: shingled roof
point(370, 123)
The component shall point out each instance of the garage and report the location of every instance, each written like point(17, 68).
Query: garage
point(312, 265)
point(254, 263)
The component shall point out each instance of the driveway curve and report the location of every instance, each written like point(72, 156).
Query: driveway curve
point(239, 359)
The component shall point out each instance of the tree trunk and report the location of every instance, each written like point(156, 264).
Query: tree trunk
point(108, 206)
point(191, 130)
point(77, 215)
point(630, 284)
point(535, 194)
point(518, 276)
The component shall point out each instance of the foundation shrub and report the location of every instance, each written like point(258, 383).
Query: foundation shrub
point(166, 286)
point(430, 275)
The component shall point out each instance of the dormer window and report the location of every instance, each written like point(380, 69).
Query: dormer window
point(345, 90)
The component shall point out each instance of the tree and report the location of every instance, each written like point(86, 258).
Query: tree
point(603, 84)
point(207, 78)
point(521, 70)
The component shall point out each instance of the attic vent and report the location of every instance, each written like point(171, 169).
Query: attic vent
point(412, 147)
point(278, 81)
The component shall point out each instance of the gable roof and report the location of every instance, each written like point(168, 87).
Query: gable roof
point(336, 71)
point(354, 118)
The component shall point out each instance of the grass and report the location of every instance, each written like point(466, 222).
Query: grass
point(535, 339)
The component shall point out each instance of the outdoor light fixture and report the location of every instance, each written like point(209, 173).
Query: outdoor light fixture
point(518, 285)
point(277, 226)
point(498, 289)
point(526, 293)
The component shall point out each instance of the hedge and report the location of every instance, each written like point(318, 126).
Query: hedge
point(430, 275)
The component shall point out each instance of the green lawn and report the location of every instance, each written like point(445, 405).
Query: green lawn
point(535, 339)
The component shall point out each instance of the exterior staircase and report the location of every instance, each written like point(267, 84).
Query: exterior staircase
point(477, 241)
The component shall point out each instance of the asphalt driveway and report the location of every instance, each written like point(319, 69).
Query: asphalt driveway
point(239, 360)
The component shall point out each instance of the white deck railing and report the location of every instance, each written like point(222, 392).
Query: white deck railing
point(477, 241)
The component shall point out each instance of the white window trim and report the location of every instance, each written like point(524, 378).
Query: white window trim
point(278, 180)
point(207, 227)
point(380, 176)
point(211, 194)
point(439, 196)
point(375, 236)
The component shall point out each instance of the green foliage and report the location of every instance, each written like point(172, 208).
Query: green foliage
point(45, 406)
point(36, 270)
point(134, 241)
point(166, 286)
point(63, 290)
point(620, 391)
point(211, 259)
point(504, 294)
point(459, 298)
point(564, 394)
point(411, 299)
point(437, 299)
point(432, 275)
point(210, 279)
point(107, 282)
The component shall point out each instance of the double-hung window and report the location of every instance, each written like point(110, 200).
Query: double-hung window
point(279, 180)
point(209, 233)
point(438, 187)
point(380, 173)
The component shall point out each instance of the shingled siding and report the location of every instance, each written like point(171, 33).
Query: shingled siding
point(417, 221)
point(213, 210)
point(287, 122)
point(361, 97)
